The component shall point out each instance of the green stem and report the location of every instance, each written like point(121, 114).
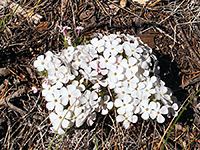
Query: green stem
point(178, 118)
point(191, 142)
point(10, 16)
point(60, 126)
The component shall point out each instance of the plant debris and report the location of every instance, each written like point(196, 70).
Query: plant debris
point(170, 28)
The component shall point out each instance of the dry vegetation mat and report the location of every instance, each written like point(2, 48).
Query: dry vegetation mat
point(30, 29)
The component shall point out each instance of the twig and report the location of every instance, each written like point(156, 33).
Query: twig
point(163, 32)
point(170, 124)
point(187, 43)
point(155, 3)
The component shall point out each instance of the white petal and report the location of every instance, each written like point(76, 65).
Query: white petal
point(52, 117)
point(152, 105)
point(79, 122)
point(104, 72)
point(120, 118)
point(59, 108)
point(50, 105)
point(133, 119)
point(60, 131)
point(66, 123)
point(121, 110)
point(132, 61)
point(145, 115)
point(104, 111)
point(94, 95)
point(175, 106)
point(160, 119)
point(129, 107)
point(153, 114)
point(164, 110)
point(118, 103)
point(110, 105)
point(126, 124)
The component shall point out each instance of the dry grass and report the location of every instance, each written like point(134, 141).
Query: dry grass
point(171, 28)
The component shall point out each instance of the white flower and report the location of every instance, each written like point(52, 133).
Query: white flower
point(91, 116)
point(42, 63)
point(70, 94)
point(56, 68)
point(127, 118)
point(130, 66)
point(54, 101)
point(157, 113)
point(90, 99)
point(123, 92)
point(105, 105)
point(95, 65)
point(147, 86)
point(98, 45)
point(162, 93)
point(147, 108)
point(118, 61)
point(132, 49)
point(48, 89)
point(88, 51)
point(89, 73)
point(173, 110)
point(49, 54)
point(113, 48)
point(123, 105)
point(130, 82)
point(68, 53)
point(106, 61)
point(79, 116)
point(144, 69)
point(98, 82)
point(58, 80)
point(112, 37)
point(56, 119)
point(116, 74)
point(112, 84)
point(80, 60)
point(130, 38)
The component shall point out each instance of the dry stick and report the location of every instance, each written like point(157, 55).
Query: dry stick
point(163, 32)
point(7, 104)
point(188, 44)
point(73, 18)
point(147, 21)
point(101, 7)
point(159, 145)
point(79, 141)
point(117, 127)
point(154, 132)
point(156, 2)
point(139, 138)
point(171, 13)
point(180, 135)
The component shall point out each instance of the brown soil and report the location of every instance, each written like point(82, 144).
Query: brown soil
point(170, 27)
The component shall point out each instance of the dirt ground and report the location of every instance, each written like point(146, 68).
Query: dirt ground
point(170, 27)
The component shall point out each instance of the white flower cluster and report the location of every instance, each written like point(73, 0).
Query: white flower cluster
point(112, 71)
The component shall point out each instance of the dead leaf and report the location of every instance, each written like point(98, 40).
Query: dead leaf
point(140, 1)
point(148, 39)
point(123, 3)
